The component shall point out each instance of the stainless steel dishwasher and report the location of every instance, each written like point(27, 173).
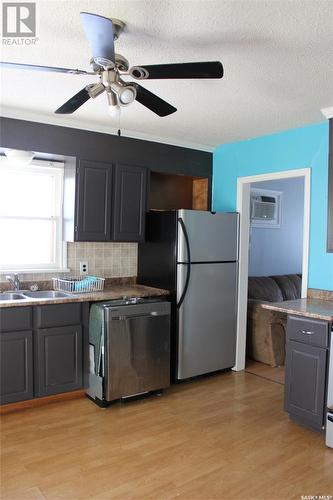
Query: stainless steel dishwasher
point(129, 342)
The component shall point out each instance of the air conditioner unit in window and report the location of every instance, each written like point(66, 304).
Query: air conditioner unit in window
point(265, 208)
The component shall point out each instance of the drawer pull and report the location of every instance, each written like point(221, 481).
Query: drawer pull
point(306, 332)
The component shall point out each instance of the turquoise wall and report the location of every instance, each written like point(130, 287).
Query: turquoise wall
point(293, 149)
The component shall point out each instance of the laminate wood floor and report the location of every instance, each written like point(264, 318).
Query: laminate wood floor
point(220, 437)
point(275, 374)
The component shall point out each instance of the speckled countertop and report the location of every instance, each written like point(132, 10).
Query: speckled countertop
point(311, 308)
point(114, 292)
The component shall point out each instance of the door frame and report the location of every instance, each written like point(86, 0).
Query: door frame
point(243, 208)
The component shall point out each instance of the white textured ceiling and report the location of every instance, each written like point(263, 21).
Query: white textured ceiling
point(277, 56)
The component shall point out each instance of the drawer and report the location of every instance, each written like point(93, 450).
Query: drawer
point(15, 318)
point(307, 330)
point(49, 316)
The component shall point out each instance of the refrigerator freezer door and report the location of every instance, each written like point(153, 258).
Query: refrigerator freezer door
point(212, 237)
point(206, 319)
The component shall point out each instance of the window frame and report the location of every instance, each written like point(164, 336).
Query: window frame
point(59, 246)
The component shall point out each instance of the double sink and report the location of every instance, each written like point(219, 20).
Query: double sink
point(27, 295)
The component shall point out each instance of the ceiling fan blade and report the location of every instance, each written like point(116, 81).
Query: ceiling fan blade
point(35, 67)
point(99, 31)
point(210, 69)
point(74, 103)
point(153, 102)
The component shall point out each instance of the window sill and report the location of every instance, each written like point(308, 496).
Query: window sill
point(35, 271)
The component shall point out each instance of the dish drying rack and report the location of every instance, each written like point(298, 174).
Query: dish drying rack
point(78, 284)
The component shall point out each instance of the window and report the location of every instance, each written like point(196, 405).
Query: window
point(265, 208)
point(31, 217)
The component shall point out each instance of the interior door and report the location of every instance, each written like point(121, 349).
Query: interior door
point(212, 237)
point(206, 318)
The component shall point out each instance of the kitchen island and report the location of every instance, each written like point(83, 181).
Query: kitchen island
point(310, 308)
point(308, 339)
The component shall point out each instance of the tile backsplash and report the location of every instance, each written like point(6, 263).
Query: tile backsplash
point(108, 260)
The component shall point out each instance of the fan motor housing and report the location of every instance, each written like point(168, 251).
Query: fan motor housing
point(121, 62)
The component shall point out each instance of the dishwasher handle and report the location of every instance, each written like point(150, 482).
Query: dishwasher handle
point(137, 316)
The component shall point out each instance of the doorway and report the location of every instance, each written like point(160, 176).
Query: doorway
point(243, 207)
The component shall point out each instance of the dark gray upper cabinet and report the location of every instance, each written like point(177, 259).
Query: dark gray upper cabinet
point(130, 203)
point(16, 356)
point(93, 201)
point(306, 367)
point(111, 202)
point(59, 354)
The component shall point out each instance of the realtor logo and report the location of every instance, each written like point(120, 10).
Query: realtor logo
point(19, 19)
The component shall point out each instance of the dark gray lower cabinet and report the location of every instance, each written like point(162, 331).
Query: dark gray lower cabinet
point(59, 354)
point(16, 355)
point(41, 350)
point(306, 371)
point(305, 383)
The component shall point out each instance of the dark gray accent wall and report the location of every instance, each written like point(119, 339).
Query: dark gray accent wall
point(330, 191)
point(83, 144)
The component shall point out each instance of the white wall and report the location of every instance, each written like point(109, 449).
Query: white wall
point(279, 250)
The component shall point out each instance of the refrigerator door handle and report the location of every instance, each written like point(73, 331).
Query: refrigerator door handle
point(188, 275)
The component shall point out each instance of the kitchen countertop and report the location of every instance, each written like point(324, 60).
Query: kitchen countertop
point(114, 292)
point(311, 308)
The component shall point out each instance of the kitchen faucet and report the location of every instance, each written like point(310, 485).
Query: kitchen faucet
point(15, 282)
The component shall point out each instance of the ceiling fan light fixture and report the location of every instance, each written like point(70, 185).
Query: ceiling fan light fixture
point(114, 111)
point(114, 108)
point(126, 94)
point(94, 90)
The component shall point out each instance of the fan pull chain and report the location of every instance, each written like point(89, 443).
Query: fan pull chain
point(119, 131)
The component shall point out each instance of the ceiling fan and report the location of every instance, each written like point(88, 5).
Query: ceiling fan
point(110, 67)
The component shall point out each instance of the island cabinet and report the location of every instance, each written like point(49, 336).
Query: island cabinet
point(111, 201)
point(42, 350)
point(306, 370)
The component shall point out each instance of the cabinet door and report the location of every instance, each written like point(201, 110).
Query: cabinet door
point(130, 203)
point(93, 209)
point(58, 365)
point(305, 383)
point(16, 366)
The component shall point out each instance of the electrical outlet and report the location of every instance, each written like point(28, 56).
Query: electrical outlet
point(84, 267)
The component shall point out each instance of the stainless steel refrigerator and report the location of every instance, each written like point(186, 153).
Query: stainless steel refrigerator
point(194, 254)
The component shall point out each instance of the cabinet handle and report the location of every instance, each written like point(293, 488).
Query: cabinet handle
point(306, 332)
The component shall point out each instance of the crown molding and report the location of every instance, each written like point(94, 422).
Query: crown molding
point(327, 112)
point(63, 121)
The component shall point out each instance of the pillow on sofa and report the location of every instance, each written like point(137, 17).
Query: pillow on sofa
point(290, 286)
point(264, 288)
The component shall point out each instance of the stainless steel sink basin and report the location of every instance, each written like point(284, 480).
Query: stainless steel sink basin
point(46, 294)
point(12, 296)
